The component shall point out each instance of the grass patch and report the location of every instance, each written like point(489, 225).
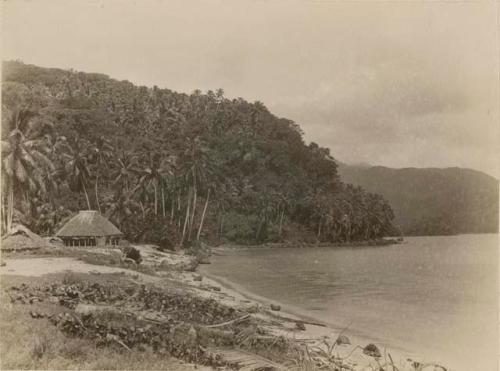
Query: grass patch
point(27, 343)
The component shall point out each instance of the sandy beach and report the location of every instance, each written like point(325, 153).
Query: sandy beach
point(277, 319)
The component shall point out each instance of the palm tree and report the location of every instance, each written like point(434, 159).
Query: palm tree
point(151, 175)
point(123, 206)
point(197, 172)
point(126, 171)
point(100, 155)
point(25, 164)
point(75, 153)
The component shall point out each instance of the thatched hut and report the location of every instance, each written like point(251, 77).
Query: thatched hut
point(89, 228)
point(21, 238)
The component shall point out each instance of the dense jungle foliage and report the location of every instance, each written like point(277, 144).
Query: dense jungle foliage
point(167, 167)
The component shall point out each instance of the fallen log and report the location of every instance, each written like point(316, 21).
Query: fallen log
point(237, 320)
point(295, 320)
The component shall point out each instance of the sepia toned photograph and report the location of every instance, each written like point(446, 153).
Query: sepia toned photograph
point(254, 185)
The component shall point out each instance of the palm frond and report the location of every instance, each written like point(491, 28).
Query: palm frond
point(246, 361)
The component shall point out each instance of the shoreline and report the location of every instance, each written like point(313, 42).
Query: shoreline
point(315, 328)
point(306, 245)
point(283, 322)
point(319, 327)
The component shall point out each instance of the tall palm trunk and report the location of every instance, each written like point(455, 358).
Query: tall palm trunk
point(172, 200)
point(86, 194)
point(222, 225)
point(143, 210)
point(4, 217)
point(191, 223)
point(221, 229)
point(163, 200)
point(261, 224)
point(156, 199)
point(10, 206)
point(179, 210)
point(96, 193)
point(281, 220)
point(203, 216)
point(185, 220)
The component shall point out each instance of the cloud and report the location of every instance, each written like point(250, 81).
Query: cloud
point(393, 83)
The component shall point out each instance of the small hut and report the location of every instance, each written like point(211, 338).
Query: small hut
point(89, 228)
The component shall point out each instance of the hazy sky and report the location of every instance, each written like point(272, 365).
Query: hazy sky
point(396, 83)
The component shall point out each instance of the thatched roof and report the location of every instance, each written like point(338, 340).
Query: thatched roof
point(21, 238)
point(88, 223)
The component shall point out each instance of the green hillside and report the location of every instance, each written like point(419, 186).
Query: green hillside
point(433, 201)
point(168, 167)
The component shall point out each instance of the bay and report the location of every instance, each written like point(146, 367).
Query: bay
point(430, 296)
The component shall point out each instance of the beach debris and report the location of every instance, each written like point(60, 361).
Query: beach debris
point(237, 320)
point(372, 351)
point(300, 326)
point(111, 337)
point(86, 309)
point(254, 308)
point(246, 361)
point(34, 314)
point(275, 307)
point(84, 296)
point(180, 324)
point(343, 340)
point(419, 366)
point(23, 294)
point(209, 287)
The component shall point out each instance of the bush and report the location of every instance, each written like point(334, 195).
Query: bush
point(132, 253)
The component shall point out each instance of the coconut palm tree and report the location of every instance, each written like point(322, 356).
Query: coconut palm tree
point(127, 170)
point(198, 172)
point(151, 175)
point(25, 164)
point(100, 155)
point(123, 206)
point(75, 152)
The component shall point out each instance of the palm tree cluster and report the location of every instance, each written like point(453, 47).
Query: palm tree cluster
point(170, 167)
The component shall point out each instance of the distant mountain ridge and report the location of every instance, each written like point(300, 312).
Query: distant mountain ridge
point(432, 201)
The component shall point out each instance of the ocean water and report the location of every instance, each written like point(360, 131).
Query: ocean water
point(430, 296)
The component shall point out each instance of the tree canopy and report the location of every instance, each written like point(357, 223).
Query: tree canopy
point(172, 168)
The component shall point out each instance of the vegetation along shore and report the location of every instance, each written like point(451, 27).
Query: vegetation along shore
point(170, 168)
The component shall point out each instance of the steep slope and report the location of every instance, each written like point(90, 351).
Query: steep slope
point(433, 201)
point(168, 166)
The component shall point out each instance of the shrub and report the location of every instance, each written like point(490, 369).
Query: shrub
point(132, 253)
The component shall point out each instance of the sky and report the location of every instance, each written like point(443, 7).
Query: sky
point(393, 83)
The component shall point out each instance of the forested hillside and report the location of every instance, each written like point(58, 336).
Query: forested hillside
point(168, 167)
point(433, 201)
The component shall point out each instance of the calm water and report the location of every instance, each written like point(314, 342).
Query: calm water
point(435, 296)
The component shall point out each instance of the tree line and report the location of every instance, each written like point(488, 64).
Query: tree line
point(168, 167)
